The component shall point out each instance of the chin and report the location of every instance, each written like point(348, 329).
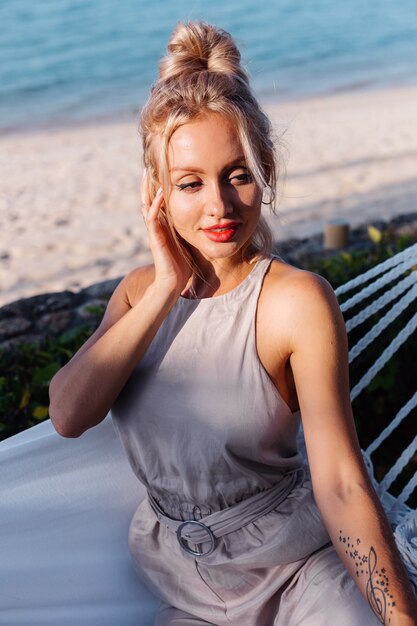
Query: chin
point(221, 251)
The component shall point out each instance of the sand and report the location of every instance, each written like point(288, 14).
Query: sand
point(69, 197)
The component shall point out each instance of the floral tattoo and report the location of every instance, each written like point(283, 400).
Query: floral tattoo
point(378, 593)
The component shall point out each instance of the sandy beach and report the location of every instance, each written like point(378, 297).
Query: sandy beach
point(69, 197)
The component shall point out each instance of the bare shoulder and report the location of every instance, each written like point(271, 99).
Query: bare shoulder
point(295, 286)
point(134, 284)
point(295, 301)
point(128, 292)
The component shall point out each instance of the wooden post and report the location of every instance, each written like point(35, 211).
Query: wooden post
point(336, 234)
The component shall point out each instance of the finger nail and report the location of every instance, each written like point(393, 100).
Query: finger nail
point(158, 193)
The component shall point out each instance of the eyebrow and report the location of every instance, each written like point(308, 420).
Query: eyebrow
point(238, 161)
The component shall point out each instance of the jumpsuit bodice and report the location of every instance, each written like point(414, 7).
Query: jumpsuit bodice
point(202, 422)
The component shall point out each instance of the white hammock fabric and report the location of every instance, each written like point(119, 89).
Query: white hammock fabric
point(66, 504)
point(65, 509)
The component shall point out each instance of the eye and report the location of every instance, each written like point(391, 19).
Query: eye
point(189, 186)
point(243, 178)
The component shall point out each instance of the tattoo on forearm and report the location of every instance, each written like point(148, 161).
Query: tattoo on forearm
point(378, 593)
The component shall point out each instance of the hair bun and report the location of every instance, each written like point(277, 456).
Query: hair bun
point(198, 46)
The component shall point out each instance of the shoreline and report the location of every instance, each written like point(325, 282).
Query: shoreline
point(69, 196)
point(267, 99)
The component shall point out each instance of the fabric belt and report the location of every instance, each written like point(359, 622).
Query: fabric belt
point(223, 522)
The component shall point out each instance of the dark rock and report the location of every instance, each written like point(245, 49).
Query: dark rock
point(92, 309)
point(103, 289)
point(37, 305)
point(55, 322)
point(14, 342)
point(409, 219)
point(13, 326)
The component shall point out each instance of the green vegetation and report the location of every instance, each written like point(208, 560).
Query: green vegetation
point(26, 371)
point(340, 266)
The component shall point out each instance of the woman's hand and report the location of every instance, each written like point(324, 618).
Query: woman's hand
point(172, 270)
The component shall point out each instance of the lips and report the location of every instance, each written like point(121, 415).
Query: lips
point(221, 232)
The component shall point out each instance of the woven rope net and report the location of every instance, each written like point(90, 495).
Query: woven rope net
point(380, 309)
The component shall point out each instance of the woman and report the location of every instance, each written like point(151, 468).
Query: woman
point(208, 359)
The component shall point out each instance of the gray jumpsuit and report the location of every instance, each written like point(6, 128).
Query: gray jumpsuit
point(205, 428)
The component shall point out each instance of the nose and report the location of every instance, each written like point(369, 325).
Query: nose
point(218, 202)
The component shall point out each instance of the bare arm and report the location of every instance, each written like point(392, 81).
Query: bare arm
point(83, 391)
point(350, 508)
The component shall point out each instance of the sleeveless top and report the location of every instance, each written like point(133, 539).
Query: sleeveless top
point(202, 423)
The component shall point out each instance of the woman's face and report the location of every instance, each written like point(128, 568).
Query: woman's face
point(214, 204)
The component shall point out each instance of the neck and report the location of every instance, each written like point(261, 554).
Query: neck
point(218, 276)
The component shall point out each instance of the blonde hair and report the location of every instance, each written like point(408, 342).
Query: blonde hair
point(202, 74)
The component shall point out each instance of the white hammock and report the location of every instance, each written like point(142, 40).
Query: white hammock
point(401, 296)
point(66, 504)
point(397, 278)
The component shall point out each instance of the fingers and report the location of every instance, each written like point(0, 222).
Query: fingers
point(144, 191)
point(150, 210)
point(147, 199)
point(155, 207)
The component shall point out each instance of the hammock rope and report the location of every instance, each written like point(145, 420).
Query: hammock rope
point(395, 344)
point(400, 297)
point(402, 413)
point(383, 323)
point(381, 302)
point(409, 255)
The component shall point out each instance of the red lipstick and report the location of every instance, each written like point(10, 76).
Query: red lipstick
point(221, 232)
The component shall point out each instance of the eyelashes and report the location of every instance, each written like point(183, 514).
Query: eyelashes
point(240, 178)
point(187, 186)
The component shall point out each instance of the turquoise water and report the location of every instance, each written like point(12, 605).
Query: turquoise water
point(66, 60)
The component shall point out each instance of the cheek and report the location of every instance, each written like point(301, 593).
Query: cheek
point(252, 200)
point(182, 211)
point(249, 194)
point(257, 196)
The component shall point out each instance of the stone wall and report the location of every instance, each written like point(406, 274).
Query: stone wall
point(30, 320)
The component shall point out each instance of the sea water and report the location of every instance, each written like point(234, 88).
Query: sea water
point(76, 60)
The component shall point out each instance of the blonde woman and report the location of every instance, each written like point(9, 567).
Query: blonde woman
point(209, 358)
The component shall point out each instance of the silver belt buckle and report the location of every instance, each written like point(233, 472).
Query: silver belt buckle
point(183, 539)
